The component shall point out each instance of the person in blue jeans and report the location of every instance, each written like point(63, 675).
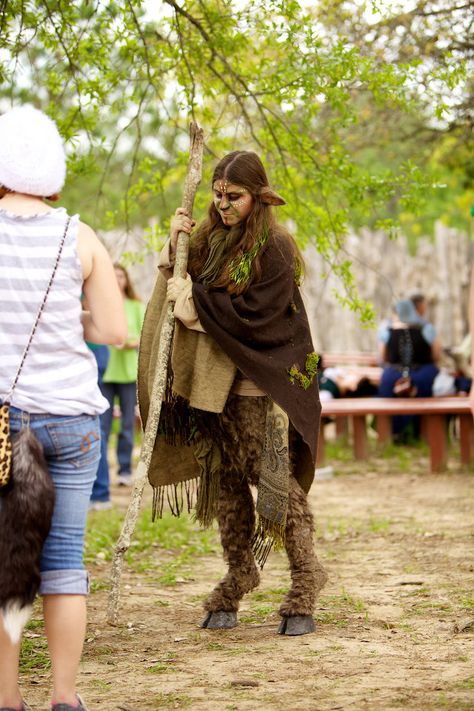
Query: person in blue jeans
point(100, 497)
point(56, 395)
point(119, 381)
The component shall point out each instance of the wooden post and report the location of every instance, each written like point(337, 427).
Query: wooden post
point(384, 429)
point(361, 450)
point(437, 439)
point(193, 178)
point(465, 436)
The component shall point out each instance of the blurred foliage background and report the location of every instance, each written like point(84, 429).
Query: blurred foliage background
point(362, 111)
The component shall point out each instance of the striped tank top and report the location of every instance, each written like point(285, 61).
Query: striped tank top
point(59, 376)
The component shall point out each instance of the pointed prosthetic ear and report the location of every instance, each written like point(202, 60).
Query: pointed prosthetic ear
point(270, 197)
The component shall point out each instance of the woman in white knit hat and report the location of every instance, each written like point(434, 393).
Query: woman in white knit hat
point(48, 260)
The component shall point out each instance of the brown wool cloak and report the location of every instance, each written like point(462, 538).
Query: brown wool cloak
point(265, 332)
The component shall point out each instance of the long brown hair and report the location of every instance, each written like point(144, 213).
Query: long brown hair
point(130, 292)
point(242, 168)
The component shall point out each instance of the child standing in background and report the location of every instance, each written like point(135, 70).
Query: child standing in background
point(120, 378)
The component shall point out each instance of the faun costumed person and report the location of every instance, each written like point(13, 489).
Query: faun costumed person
point(242, 406)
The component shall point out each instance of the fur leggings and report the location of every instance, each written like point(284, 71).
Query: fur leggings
point(242, 428)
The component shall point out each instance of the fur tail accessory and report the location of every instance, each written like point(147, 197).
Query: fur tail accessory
point(26, 509)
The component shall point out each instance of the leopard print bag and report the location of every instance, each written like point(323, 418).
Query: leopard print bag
point(5, 445)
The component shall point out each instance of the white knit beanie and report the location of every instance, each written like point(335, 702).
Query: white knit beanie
point(32, 158)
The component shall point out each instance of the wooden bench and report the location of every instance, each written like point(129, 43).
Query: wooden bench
point(349, 359)
point(434, 412)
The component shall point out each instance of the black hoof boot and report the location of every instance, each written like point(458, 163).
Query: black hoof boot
point(297, 624)
point(220, 620)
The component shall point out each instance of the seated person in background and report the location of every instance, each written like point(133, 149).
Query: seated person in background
point(461, 380)
point(461, 369)
point(419, 302)
point(343, 382)
point(408, 348)
point(406, 316)
point(417, 316)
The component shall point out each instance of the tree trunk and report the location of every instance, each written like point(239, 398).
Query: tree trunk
point(193, 178)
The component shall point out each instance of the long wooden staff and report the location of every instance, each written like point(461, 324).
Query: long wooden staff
point(193, 178)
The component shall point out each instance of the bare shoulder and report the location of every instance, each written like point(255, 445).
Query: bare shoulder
point(86, 235)
point(90, 249)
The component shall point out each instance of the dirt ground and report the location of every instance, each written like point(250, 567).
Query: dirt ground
point(395, 623)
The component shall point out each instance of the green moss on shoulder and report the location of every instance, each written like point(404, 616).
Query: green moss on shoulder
point(305, 378)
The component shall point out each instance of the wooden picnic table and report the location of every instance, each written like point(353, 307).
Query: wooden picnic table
point(349, 358)
point(434, 412)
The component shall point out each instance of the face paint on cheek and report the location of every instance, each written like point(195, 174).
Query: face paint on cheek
point(241, 207)
point(234, 209)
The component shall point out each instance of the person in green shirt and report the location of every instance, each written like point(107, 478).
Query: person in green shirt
point(120, 377)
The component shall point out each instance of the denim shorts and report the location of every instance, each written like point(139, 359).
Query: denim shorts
point(72, 450)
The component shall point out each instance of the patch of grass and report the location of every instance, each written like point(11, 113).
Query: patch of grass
point(340, 528)
point(236, 650)
point(180, 536)
point(163, 665)
point(270, 594)
point(257, 615)
point(338, 450)
point(466, 683)
point(214, 646)
point(98, 650)
point(35, 625)
point(379, 525)
point(404, 453)
point(423, 599)
point(97, 585)
point(174, 571)
point(173, 533)
point(420, 607)
point(351, 602)
point(34, 655)
point(352, 527)
point(442, 700)
point(331, 617)
point(339, 608)
point(160, 668)
point(103, 528)
point(468, 602)
point(405, 627)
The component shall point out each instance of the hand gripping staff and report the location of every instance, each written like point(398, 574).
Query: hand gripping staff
point(193, 178)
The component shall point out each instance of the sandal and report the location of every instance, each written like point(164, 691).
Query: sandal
point(67, 707)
